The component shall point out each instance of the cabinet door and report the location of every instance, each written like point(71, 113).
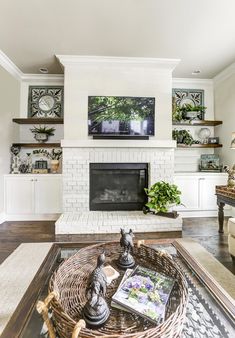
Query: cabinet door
point(208, 200)
point(48, 195)
point(189, 187)
point(19, 195)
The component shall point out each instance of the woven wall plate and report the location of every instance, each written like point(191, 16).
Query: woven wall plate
point(69, 282)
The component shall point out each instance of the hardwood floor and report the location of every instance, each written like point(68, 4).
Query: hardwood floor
point(203, 230)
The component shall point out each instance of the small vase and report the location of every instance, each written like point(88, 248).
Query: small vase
point(55, 166)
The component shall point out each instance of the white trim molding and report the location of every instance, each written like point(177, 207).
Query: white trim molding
point(177, 82)
point(118, 144)
point(67, 60)
point(224, 74)
point(2, 217)
point(58, 78)
point(10, 67)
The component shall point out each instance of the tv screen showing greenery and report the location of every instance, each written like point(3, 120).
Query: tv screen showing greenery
point(121, 115)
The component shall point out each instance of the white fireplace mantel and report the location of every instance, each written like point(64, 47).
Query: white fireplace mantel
point(118, 143)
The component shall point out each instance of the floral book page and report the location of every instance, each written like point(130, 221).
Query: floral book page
point(146, 293)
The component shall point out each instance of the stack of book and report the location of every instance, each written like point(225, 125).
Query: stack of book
point(144, 292)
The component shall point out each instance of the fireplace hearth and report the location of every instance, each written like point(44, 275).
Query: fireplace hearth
point(118, 186)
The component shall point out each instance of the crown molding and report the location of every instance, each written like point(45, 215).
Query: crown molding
point(191, 81)
point(68, 60)
point(9, 66)
point(43, 77)
point(225, 74)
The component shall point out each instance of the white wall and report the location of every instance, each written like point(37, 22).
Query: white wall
point(120, 79)
point(225, 111)
point(9, 108)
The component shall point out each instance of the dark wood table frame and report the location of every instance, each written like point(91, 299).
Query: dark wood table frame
point(221, 201)
point(20, 317)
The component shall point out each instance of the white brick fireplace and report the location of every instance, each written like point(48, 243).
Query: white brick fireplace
point(86, 76)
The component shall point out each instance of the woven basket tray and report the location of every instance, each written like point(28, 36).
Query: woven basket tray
point(70, 280)
point(225, 191)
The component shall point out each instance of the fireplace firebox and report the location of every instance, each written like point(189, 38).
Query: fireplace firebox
point(118, 186)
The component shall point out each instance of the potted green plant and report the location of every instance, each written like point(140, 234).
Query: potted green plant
point(162, 197)
point(183, 136)
point(188, 112)
point(42, 133)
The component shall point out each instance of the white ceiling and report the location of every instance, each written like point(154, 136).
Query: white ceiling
point(199, 32)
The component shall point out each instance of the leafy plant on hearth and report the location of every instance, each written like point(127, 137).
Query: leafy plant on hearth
point(162, 195)
point(183, 136)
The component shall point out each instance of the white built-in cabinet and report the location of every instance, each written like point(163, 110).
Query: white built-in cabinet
point(33, 195)
point(198, 192)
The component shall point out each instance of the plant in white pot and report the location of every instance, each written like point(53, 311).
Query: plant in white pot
point(162, 197)
point(42, 133)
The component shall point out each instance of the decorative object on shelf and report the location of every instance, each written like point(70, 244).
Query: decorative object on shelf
point(187, 104)
point(189, 112)
point(40, 167)
point(162, 197)
point(204, 134)
point(210, 163)
point(182, 136)
point(24, 167)
point(15, 160)
point(45, 101)
point(126, 260)
point(96, 310)
point(183, 96)
point(231, 176)
point(55, 155)
point(29, 162)
point(213, 140)
point(41, 134)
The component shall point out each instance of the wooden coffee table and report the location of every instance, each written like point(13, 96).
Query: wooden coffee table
point(213, 280)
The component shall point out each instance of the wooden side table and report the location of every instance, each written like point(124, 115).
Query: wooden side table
point(225, 195)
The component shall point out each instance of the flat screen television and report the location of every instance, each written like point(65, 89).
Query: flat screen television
point(121, 115)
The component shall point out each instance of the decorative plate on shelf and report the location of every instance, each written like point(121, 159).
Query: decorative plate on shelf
point(45, 101)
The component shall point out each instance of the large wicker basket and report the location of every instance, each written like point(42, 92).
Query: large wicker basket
point(69, 284)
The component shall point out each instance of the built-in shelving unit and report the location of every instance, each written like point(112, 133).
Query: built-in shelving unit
point(208, 145)
point(38, 120)
point(198, 123)
point(37, 145)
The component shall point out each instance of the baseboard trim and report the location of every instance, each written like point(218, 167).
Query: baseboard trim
point(38, 217)
point(2, 217)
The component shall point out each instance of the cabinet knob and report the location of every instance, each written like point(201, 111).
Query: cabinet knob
point(31, 180)
point(35, 180)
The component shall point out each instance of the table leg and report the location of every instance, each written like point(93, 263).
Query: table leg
point(221, 217)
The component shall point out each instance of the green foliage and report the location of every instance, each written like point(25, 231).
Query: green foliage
point(182, 136)
point(54, 154)
point(43, 130)
point(162, 195)
point(179, 113)
point(109, 108)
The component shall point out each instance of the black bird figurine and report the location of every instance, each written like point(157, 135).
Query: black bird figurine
point(96, 310)
point(126, 260)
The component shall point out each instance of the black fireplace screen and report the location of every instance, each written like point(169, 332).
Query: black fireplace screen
point(118, 186)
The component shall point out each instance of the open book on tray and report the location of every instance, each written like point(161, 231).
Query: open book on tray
point(144, 292)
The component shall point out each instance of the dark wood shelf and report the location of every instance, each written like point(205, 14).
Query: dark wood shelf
point(37, 145)
point(198, 123)
point(200, 146)
point(38, 120)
